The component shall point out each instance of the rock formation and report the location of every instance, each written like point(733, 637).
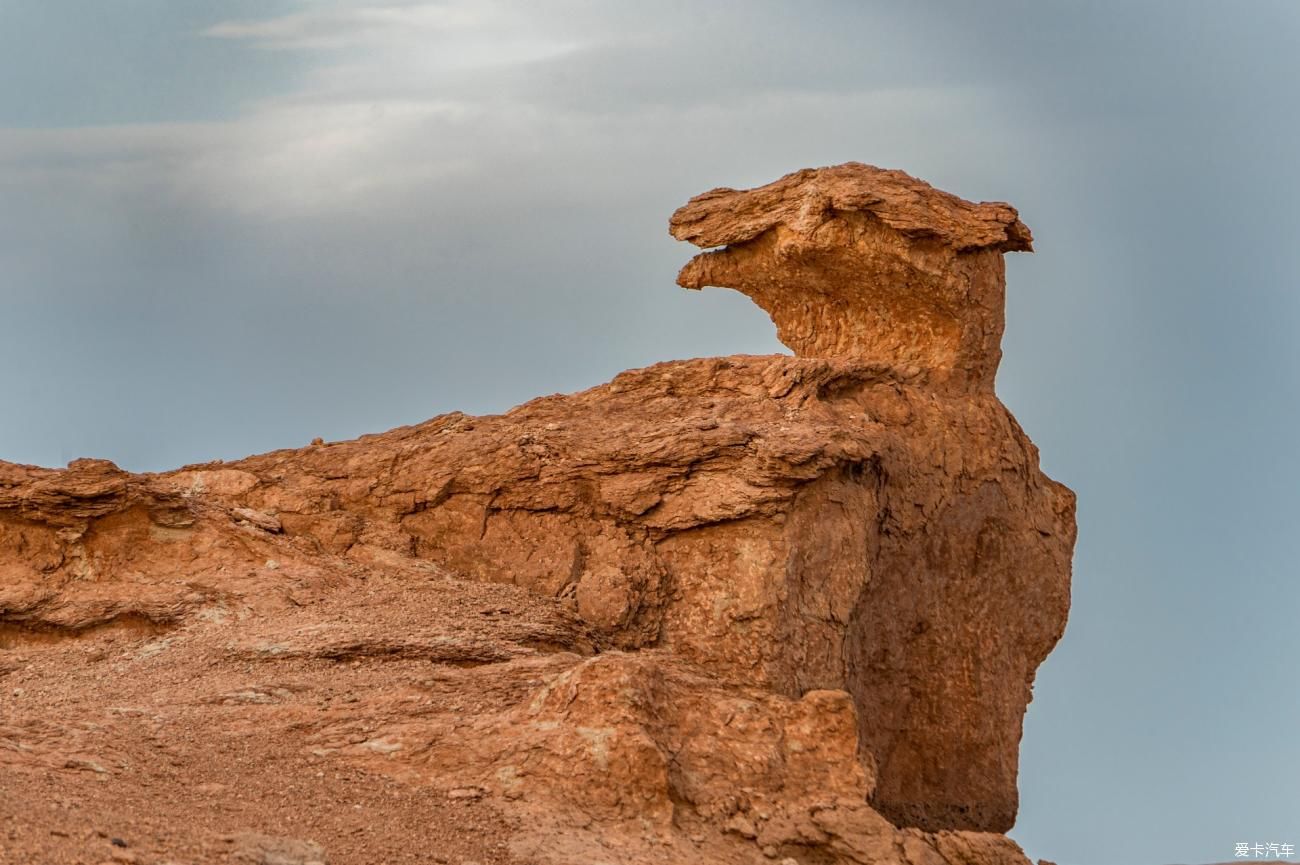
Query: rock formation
point(857, 262)
point(721, 610)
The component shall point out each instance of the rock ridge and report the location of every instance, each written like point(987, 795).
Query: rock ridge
point(721, 610)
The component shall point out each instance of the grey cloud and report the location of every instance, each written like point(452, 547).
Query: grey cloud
point(368, 233)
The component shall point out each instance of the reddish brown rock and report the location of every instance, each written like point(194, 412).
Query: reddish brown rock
point(859, 262)
point(730, 608)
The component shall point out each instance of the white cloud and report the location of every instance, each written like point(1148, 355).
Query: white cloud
point(337, 25)
point(568, 98)
point(446, 35)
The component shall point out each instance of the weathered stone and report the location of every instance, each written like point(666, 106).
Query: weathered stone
point(820, 585)
point(859, 262)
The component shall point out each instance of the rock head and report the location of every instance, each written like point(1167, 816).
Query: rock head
point(863, 263)
point(721, 610)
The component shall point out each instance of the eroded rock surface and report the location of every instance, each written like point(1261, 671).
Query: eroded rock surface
point(860, 262)
point(722, 610)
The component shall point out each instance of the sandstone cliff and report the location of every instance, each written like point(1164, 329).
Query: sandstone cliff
point(719, 610)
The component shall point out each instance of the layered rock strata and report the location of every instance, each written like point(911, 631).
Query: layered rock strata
point(858, 262)
point(723, 610)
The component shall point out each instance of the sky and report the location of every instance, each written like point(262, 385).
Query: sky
point(233, 226)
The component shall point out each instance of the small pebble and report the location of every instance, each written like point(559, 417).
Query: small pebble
point(466, 793)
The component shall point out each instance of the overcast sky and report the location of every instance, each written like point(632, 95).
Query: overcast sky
point(227, 227)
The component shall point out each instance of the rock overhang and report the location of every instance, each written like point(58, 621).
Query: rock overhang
point(806, 199)
point(863, 263)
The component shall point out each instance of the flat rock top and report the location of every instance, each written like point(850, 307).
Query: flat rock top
point(810, 197)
